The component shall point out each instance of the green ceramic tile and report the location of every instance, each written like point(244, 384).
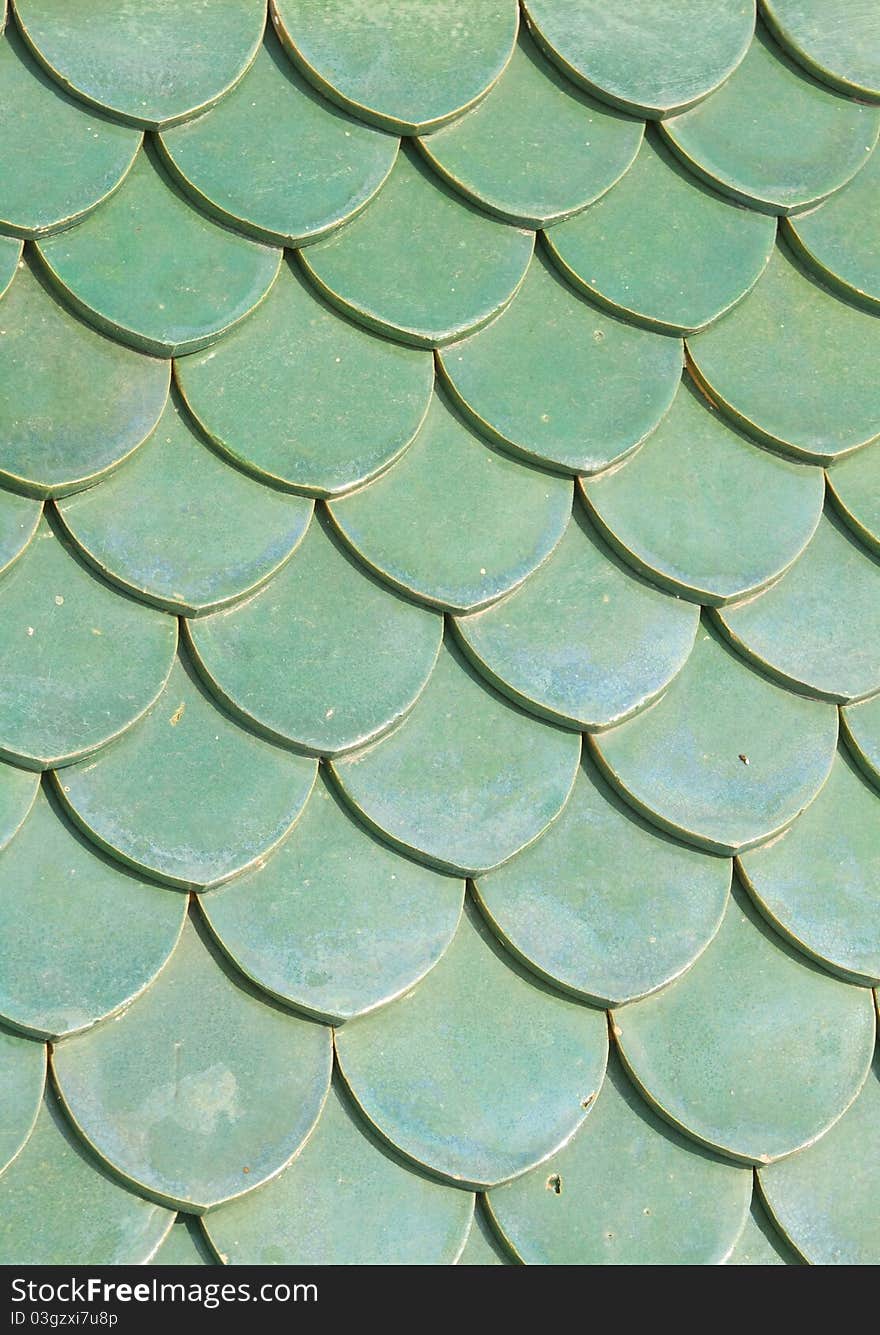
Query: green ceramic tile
point(603, 905)
point(725, 516)
point(483, 1246)
point(536, 149)
point(727, 758)
point(651, 57)
point(818, 882)
point(151, 271)
point(358, 654)
point(276, 160)
point(18, 791)
point(793, 333)
point(560, 382)
point(675, 1204)
point(582, 641)
point(19, 519)
point(184, 1244)
point(180, 528)
point(772, 137)
point(854, 486)
point(839, 238)
point(860, 725)
point(58, 159)
point(760, 1243)
point(403, 65)
point(58, 1206)
point(149, 63)
point(818, 628)
point(73, 404)
point(344, 1201)
point(335, 405)
point(200, 1091)
point(335, 923)
point(79, 661)
point(454, 267)
point(481, 1072)
point(10, 255)
point(23, 1067)
point(317, 763)
point(467, 780)
point(837, 40)
point(754, 1051)
point(492, 520)
point(58, 899)
point(661, 249)
point(825, 1206)
point(135, 799)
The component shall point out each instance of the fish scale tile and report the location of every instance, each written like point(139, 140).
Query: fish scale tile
point(442, 558)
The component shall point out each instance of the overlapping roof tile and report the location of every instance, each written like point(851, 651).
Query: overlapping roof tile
point(439, 632)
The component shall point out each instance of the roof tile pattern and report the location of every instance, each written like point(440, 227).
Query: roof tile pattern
point(440, 695)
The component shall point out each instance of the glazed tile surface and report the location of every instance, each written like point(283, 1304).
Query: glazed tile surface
point(440, 632)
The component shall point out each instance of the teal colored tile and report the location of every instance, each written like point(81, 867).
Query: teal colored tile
point(603, 905)
point(79, 662)
point(819, 1199)
point(560, 382)
point(58, 159)
point(59, 898)
point(661, 249)
point(184, 1244)
point(481, 1072)
point(837, 40)
point(727, 758)
point(772, 137)
point(754, 1052)
point(18, 791)
point(136, 799)
point(10, 255)
point(200, 1091)
point(627, 1190)
point(537, 148)
point(23, 1067)
point(179, 528)
point(454, 267)
point(818, 882)
point(483, 1246)
point(651, 58)
point(818, 628)
point(438, 628)
point(276, 160)
point(582, 641)
point(794, 333)
point(324, 656)
point(467, 780)
point(335, 922)
point(59, 1206)
point(491, 519)
point(854, 486)
point(860, 725)
point(73, 404)
point(760, 1243)
point(345, 1200)
point(335, 405)
point(839, 238)
point(150, 64)
point(151, 271)
point(19, 520)
point(405, 66)
point(725, 517)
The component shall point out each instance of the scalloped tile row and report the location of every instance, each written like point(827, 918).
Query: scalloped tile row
point(440, 632)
